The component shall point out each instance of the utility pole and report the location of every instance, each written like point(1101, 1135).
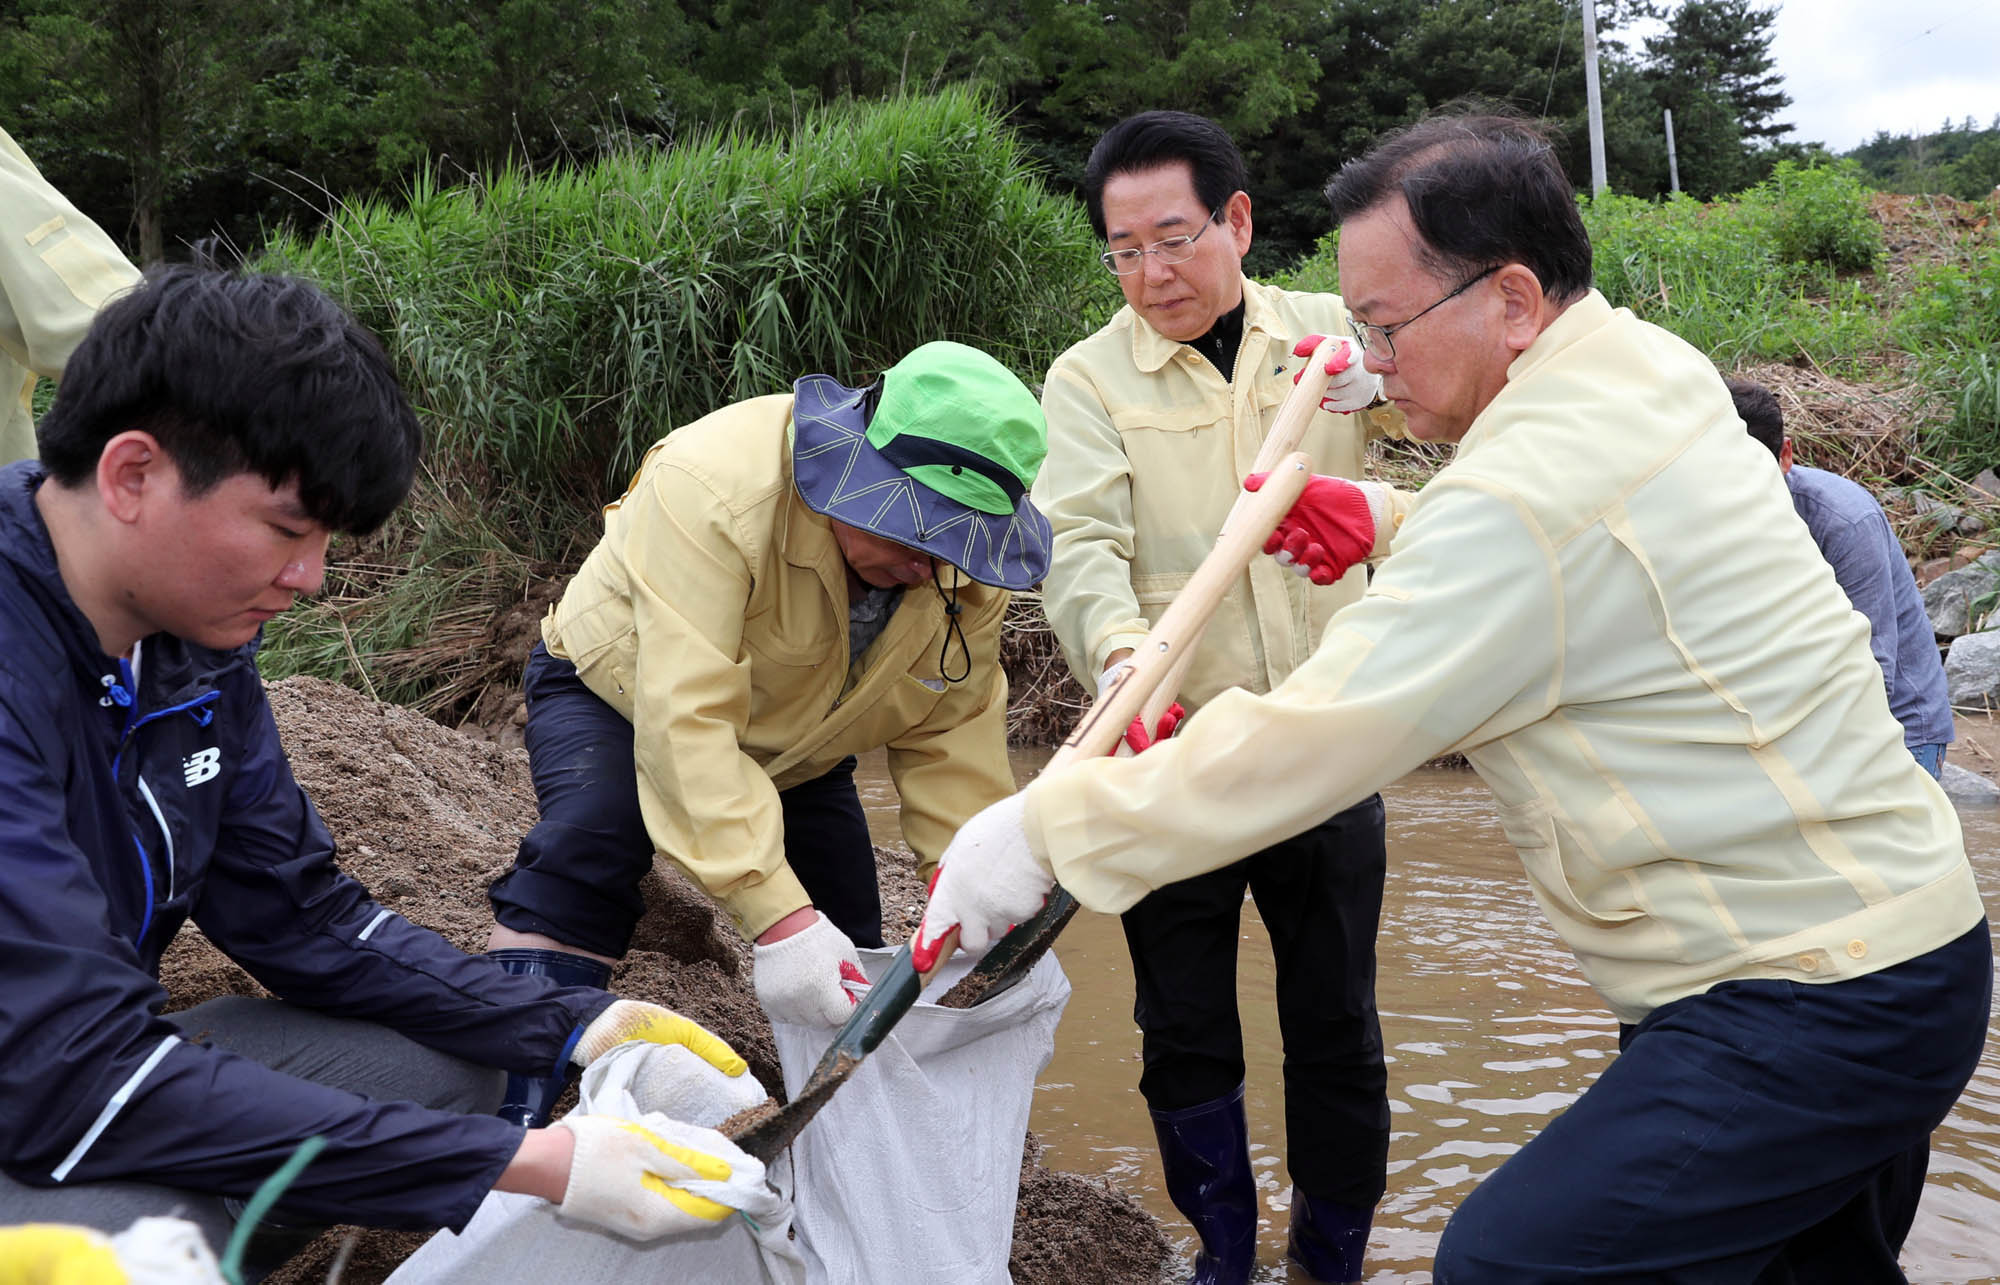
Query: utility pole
point(1593, 97)
point(1673, 164)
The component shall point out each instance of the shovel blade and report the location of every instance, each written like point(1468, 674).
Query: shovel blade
point(887, 1000)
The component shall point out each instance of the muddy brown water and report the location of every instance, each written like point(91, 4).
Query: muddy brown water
point(1490, 1032)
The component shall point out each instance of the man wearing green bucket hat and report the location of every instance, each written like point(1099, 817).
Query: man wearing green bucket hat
point(788, 582)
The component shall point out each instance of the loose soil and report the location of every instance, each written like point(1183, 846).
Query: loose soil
point(426, 817)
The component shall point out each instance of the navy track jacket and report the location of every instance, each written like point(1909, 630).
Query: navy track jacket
point(123, 814)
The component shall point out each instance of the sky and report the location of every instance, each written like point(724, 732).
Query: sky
point(1854, 67)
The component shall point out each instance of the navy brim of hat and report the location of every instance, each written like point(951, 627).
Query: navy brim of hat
point(840, 474)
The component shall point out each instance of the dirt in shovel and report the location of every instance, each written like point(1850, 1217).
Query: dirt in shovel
point(426, 817)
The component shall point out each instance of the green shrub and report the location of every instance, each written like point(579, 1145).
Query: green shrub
point(1818, 213)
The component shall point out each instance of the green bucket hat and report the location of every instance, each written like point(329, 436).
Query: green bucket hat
point(938, 455)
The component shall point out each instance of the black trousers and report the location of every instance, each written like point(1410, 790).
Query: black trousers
point(576, 875)
point(1320, 895)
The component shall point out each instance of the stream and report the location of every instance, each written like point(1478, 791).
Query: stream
point(1489, 1029)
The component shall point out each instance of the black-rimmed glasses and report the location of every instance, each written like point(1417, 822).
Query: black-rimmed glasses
point(1379, 341)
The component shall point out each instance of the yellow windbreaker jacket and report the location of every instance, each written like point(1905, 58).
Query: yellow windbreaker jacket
point(1148, 448)
point(56, 270)
point(1607, 602)
point(713, 614)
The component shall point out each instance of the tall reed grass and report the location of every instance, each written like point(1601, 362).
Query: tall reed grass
point(552, 326)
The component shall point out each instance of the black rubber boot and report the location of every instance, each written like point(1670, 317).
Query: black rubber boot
point(530, 1098)
point(1328, 1239)
point(272, 1244)
point(1205, 1153)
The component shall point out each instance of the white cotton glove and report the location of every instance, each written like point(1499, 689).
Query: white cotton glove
point(988, 881)
point(677, 1083)
point(799, 979)
point(1110, 676)
point(1353, 387)
point(631, 1019)
point(166, 1251)
point(655, 1177)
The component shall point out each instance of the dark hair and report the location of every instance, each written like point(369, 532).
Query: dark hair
point(240, 374)
point(1482, 190)
point(1757, 406)
point(1152, 139)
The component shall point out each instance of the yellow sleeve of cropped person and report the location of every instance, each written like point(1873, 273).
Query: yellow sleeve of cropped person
point(631, 1019)
point(54, 1254)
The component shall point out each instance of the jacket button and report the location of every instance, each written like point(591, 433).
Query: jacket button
point(1857, 948)
point(1808, 962)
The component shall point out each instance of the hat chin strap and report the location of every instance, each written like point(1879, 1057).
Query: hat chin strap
point(951, 627)
point(907, 451)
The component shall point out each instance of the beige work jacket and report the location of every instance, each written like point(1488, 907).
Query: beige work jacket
point(1607, 602)
point(1148, 448)
point(713, 614)
point(57, 268)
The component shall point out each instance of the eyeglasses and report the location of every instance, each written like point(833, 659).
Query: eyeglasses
point(1175, 249)
point(1379, 342)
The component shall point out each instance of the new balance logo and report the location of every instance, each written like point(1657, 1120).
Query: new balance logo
point(202, 765)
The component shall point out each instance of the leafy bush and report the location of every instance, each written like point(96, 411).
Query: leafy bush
point(1818, 213)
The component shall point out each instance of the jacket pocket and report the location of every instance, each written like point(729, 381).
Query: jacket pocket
point(1225, 657)
point(1532, 831)
point(607, 663)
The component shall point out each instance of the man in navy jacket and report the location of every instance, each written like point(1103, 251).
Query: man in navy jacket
point(212, 432)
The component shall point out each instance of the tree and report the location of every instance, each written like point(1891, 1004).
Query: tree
point(165, 88)
point(1738, 34)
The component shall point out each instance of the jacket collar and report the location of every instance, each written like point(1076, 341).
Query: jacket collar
point(1587, 314)
point(1152, 350)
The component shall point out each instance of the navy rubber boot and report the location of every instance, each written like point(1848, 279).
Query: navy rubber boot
point(1328, 1239)
point(531, 1098)
point(1205, 1154)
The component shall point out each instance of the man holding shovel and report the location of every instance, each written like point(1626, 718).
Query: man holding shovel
point(789, 582)
point(1153, 422)
point(1607, 604)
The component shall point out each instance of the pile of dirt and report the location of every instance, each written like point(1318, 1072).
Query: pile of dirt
point(1924, 228)
point(426, 817)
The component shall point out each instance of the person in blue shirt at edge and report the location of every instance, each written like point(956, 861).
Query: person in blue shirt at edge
point(1867, 560)
point(213, 430)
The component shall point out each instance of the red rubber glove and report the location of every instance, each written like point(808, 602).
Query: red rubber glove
point(1136, 738)
point(1352, 387)
point(1332, 527)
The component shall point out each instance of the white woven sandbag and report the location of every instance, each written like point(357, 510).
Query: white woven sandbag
point(520, 1238)
point(911, 1170)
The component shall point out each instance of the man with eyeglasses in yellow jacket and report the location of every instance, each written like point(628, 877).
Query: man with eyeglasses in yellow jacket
point(1608, 604)
point(1153, 423)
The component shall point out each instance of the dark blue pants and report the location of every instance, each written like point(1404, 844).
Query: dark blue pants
point(576, 875)
point(1320, 896)
point(1763, 1131)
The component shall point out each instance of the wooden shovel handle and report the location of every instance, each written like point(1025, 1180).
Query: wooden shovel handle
point(1287, 431)
point(1157, 658)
